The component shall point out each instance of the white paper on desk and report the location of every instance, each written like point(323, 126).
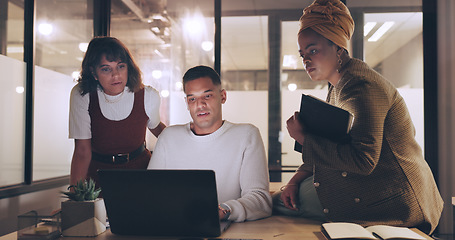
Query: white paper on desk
point(387, 232)
point(342, 230)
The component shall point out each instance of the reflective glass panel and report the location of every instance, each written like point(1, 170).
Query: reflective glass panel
point(397, 54)
point(244, 70)
point(63, 29)
point(166, 38)
point(12, 93)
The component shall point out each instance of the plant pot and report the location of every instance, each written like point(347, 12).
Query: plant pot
point(83, 219)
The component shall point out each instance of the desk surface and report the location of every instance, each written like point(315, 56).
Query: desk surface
point(275, 227)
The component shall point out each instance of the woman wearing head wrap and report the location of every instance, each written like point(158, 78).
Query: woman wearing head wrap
point(380, 175)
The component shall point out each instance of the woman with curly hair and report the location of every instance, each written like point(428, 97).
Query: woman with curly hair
point(110, 111)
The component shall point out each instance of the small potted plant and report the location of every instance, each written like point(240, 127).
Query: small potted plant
point(83, 214)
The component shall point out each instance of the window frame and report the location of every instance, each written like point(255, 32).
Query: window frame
point(101, 24)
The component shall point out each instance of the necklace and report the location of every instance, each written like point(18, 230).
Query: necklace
point(113, 99)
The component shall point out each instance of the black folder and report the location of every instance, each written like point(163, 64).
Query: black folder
point(323, 119)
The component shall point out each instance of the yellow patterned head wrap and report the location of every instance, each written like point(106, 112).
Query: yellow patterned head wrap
point(331, 19)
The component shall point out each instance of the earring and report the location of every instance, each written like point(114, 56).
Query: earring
point(340, 62)
point(94, 76)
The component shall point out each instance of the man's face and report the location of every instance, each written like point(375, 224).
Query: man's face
point(204, 101)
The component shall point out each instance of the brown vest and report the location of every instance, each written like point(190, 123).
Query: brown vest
point(114, 137)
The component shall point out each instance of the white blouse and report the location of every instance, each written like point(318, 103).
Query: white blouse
point(114, 108)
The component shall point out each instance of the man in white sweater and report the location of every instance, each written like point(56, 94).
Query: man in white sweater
point(234, 151)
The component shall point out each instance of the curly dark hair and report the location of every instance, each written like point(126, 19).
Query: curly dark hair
point(114, 50)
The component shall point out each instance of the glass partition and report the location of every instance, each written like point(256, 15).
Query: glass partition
point(397, 55)
point(12, 122)
point(12, 95)
point(12, 30)
point(166, 38)
point(244, 70)
point(63, 29)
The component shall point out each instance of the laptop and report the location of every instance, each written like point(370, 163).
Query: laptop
point(163, 203)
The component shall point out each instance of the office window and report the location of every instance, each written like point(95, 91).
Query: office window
point(397, 55)
point(12, 96)
point(294, 82)
point(166, 38)
point(12, 29)
point(63, 30)
point(244, 70)
point(244, 53)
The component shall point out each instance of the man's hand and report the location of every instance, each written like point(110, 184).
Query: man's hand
point(295, 128)
point(221, 214)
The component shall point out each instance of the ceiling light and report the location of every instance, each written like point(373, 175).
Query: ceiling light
point(381, 31)
point(155, 30)
point(368, 27)
point(45, 28)
point(194, 25)
point(207, 45)
point(20, 89)
point(164, 93)
point(83, 47)
point(179, 86)
point(157, 74)
point(75, 75)
point(292, 87)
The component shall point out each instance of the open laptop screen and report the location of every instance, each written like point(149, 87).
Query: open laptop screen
point(176, 203)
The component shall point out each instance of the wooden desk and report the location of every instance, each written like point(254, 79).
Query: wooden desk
point(272, 228)
point(275, 227)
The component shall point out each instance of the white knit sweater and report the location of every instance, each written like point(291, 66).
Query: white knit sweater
point(235, 152)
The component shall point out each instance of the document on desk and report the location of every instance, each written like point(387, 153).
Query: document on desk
point(344, 230)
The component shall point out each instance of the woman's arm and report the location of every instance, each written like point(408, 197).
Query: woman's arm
point(157, 131)
point(290, 191)
point(81, 159)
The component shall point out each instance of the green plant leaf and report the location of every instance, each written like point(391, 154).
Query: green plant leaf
point(83, 191)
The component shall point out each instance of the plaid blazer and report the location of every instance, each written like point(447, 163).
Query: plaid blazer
point(380, 177)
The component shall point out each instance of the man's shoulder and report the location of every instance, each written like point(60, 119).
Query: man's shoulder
point(175, 129)
point(242, 127)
